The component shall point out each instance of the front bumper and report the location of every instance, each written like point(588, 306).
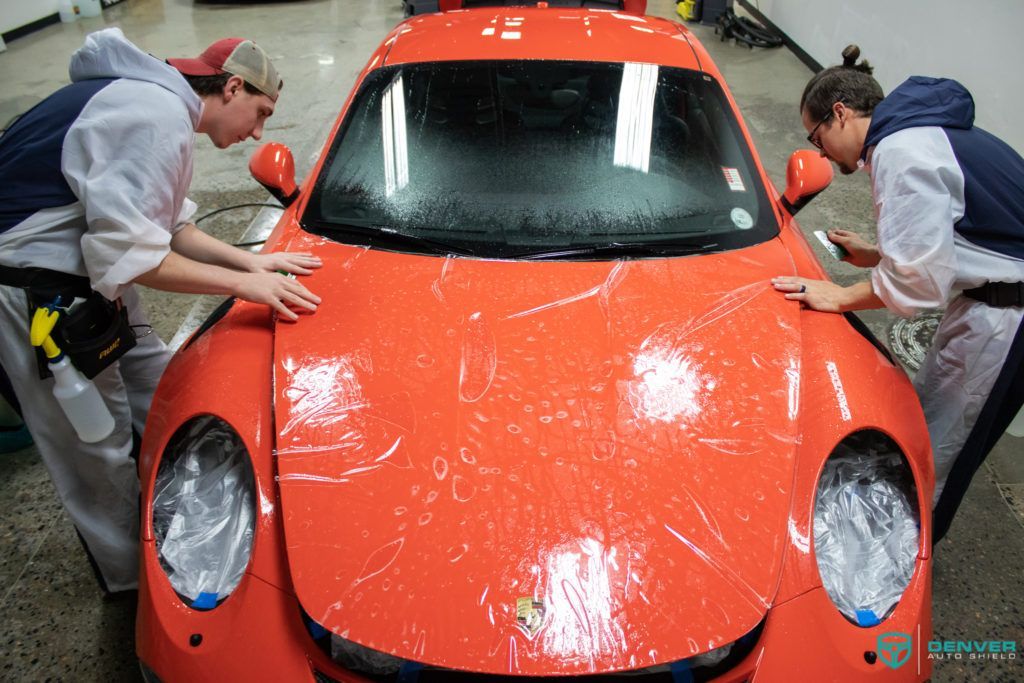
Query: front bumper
point(807, 638)
point(257, 635)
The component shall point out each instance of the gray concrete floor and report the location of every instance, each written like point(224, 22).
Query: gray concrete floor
point(54, 625)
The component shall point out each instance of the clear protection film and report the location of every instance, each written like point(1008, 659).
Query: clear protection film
point(203, 511)
point(385, 667)
point(539, 468)
point(866, 527)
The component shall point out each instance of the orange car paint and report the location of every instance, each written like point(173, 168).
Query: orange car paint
point(634, 443)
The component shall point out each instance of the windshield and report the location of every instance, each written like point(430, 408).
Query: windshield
point(531, 158)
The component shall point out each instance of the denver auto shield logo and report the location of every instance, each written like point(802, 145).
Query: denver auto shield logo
point(894, 648)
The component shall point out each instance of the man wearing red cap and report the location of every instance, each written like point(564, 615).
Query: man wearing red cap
point(93, 184)
point(227, 65)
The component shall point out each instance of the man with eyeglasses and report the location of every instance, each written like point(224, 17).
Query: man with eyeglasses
point(949, 200)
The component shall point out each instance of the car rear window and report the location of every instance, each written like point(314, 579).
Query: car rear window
point(501, 159)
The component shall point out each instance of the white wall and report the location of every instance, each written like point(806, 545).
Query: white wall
point(978, 42)
point(16, 13)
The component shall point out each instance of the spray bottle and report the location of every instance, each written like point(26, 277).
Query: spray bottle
point(77, 396)
point(67, 10)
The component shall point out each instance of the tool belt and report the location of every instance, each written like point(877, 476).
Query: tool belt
point(93, 333)
point(998, 294)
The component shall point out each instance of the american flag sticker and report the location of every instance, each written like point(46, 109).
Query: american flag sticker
point(732, 177)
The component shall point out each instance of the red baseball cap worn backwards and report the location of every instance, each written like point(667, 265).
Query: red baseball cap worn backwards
point(236, 56)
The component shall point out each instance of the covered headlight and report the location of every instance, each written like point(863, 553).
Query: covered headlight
point(866, 526)
point(204, 511)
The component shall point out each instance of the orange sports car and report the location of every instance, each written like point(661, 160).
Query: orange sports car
point(551, 418)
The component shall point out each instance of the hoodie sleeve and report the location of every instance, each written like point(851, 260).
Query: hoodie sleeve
point(128, 158)
point(919, 196)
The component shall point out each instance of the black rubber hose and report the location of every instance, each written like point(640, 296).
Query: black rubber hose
point(745, 31)
point(232, 208)
point(760, 32)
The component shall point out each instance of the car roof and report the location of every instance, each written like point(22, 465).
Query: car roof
point(554, 33)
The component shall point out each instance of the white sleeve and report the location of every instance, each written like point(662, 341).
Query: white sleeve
point(919, 195)
point(128, 159)
point(188, 210)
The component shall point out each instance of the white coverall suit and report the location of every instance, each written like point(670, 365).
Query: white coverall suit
point(126, 157)
point(918, 190)
point(949, 198)
point(919, 197)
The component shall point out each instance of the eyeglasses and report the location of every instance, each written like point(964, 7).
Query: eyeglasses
point(810, 138)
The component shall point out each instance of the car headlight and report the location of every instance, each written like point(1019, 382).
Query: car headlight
point(204, 511)
point(866, 526)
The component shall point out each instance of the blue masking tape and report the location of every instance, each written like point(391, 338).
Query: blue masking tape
point(410, 672)
point(316, 630)
point(866, 617)
point(681, 672)
point(205, 601)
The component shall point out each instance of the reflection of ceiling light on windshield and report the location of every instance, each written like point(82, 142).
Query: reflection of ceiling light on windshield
point(636, 114)
point(396, 153)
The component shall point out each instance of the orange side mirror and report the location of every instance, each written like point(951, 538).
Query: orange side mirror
point(807, 174)
point(273, 167)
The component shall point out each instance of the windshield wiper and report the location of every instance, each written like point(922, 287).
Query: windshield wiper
point(375, 235)
point(648, 248)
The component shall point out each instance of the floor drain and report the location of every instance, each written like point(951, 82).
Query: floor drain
point(910, 338)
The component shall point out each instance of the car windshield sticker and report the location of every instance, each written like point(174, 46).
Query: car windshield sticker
point(732, 176)
point(529, 614)
point(741, 218)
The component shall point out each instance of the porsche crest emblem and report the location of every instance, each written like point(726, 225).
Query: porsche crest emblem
point(529, 615)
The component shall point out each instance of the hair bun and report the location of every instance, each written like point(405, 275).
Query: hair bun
point(850, 55)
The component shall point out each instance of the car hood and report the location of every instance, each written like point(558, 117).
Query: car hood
point(538, 467)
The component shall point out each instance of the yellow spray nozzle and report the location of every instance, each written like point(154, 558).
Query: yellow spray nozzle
point(43, 322)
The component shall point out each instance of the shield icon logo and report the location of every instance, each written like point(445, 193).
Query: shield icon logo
point(894, 648)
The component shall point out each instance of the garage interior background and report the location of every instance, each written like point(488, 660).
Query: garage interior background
point(53, 621)
point(976, 43)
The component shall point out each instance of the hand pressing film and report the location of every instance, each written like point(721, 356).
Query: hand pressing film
point(295, 308)
point(837, 251)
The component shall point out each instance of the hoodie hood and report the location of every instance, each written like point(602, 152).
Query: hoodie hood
point(920, 101)
point(108, 54)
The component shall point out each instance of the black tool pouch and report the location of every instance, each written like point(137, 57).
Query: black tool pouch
point(94, 334)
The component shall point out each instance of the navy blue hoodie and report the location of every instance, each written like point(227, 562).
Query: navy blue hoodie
point(993, 172)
